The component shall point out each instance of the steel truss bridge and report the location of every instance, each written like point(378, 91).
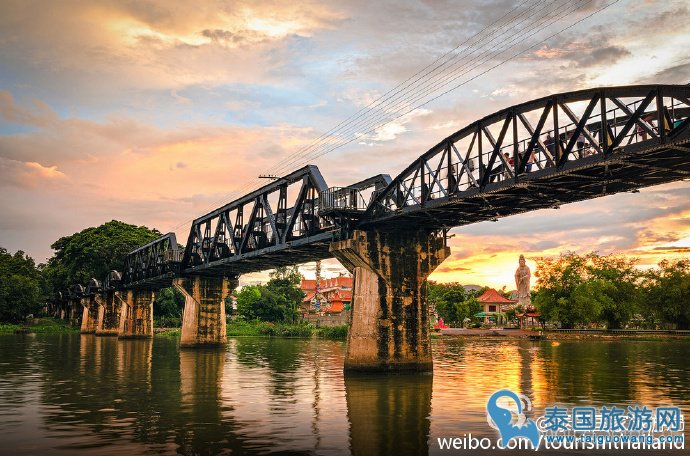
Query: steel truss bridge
point(540, 154)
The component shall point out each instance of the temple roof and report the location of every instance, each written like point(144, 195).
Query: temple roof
point(493, 296)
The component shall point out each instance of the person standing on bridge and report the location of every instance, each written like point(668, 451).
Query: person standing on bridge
point(581, 141)
point(530, 161)
point(550, 142)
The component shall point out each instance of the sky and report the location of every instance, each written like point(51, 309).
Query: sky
point(154, 113)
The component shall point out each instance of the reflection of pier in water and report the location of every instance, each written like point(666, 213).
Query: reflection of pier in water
point(103, 395)
point(389, 415)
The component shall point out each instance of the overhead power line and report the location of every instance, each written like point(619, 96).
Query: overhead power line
point(472, 58)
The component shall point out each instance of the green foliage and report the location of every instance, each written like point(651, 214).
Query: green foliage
point(285, 282)
point(333, 332)
point(579, 289)
point(172, 333)
point(258, 302)
point(277, 301)
point(267, 329)
point(247, 299)
point(21, 286)
point(42, 326)
point(168, 307)
point(452, 302)
point(53, 326)
point(93, 252)
point(667, 293)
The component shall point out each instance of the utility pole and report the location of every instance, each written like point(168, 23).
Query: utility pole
point(318, 297)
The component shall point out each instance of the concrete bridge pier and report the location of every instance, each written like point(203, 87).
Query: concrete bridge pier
point(136, 317)
point(389, 322)
point(109, 313)
point(89, 318)
point(74, 309)
point(203, 319)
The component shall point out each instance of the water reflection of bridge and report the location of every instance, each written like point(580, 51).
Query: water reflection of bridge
point(101, 395)
point(539, 154)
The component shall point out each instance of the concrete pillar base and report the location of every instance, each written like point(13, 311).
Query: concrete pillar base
point(203, 319)
point(109, 316)
point(89, 318)
point(389, 321)
point(136, 318)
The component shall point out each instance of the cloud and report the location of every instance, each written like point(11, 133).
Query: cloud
point(39, 115)
point(450, 268)
point(28, 174)
point(155, 112)
point(677, 74)
point(672, 249)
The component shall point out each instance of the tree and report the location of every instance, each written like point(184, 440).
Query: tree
point(577, 289)
point(614, 284)
point(272, 306)
point(557, 279)
point(93, 252)
point(168, 306)
point(285, 282)
point(667, 293)
point(452, 302)
point(276, 301)
point(247, 299)
point(21, 286)
point(258, 302)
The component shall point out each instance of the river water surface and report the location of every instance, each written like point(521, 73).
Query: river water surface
point(81, 394)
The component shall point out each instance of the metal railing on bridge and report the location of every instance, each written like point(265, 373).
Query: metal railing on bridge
point(153, 264)
point(548, 139)
point(256, 231)
point(543, 153)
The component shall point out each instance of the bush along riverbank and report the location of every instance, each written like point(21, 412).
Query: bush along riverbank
point(39, 326)
point(303, 330)
point(267, 329)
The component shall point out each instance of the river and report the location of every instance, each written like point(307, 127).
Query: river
point(80, 394)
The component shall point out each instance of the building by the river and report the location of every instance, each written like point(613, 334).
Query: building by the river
point(494, 305)
point(336, 291)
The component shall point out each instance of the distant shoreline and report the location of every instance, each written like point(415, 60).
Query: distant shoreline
point(559, 334)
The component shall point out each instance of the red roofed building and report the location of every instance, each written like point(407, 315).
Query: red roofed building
point(337, 291)
point(493, 301)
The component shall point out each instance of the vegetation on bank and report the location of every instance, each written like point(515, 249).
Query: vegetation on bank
point(610, 290)
point(570, 291)
point(588, 291)
point(93, 253)
point(259, 328)
point(28, 289)
point(40, 326)
point(277, 301)
point(22, 287)
point(452, 302)
point(305, 330)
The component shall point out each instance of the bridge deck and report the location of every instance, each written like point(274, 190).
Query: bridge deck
point(586, 178)
point(578, 145)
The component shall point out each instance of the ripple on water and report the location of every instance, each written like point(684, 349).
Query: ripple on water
point(88, 395)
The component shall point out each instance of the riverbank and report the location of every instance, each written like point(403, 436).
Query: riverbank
point(266, 329)
point(565, 334)
point(234, 329)
point(39, 326)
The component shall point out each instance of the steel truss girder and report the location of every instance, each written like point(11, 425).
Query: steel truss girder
point(159, 257)
point(612, 121)
point(266, 230)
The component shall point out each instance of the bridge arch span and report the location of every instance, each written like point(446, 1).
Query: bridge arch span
point(543, 153)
